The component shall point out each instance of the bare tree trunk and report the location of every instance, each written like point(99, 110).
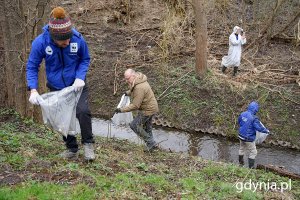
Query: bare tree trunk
point(9, 55)
point(41, 7)
point(20, 65)
point(295, 18)
point(3, 91)
point(18, 22)
point(269, 23)
point(201, 37)
point(35, 111)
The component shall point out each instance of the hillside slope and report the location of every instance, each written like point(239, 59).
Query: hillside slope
point(157, 38)
point(30, 168)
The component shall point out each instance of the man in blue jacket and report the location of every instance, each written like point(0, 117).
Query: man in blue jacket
point(249, 124)
point(67, 60)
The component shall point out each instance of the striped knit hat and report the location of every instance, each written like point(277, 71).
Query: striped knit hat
point(60, 25)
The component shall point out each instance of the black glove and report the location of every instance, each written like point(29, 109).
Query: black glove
point(117, 110)
point(125, 93)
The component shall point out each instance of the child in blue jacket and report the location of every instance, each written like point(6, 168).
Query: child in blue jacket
point(249, 123)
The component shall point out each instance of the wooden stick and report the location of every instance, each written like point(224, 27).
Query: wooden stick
point(277, 92)
point(115, 79)
point(147, 29)
point(279, 171)
point(140, 38)
point(248, 61)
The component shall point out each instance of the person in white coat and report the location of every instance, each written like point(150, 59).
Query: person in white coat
point(236, 40)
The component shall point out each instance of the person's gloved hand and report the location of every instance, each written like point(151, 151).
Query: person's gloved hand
point(125, 93)
point(34, 96)
point(78, 83)
point(270, 133)
point(117, 110)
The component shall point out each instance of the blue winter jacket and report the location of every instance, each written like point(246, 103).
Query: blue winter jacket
point(63, 65)
point(249, 123)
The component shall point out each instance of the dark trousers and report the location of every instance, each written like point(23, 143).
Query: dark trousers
point(83, 115)
point(142, 126)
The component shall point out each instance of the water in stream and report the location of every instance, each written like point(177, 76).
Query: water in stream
point(204, 145)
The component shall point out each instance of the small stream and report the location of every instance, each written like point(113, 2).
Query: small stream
point(204, 145)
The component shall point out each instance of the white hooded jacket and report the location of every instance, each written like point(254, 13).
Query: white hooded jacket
point(235, 49)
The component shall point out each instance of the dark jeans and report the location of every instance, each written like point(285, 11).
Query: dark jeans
point(83, 115)
point(142, 126)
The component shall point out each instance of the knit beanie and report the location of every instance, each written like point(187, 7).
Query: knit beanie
point(60, 25)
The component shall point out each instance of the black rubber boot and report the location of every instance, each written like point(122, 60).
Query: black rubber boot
point(223, 69)
point(235, 69)
point(241, 160)
point(251, 163)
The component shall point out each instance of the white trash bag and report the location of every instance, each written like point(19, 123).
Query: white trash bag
point(123, 118)
point(260, 137)
point(59, 110)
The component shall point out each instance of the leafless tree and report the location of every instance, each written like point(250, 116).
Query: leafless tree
point(20, 23)
point(201, 36)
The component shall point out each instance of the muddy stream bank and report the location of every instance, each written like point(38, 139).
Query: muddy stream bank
point(204, 145)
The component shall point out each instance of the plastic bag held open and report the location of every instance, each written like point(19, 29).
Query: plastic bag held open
point(59, 110)
point(260, 137)
point(123, 118)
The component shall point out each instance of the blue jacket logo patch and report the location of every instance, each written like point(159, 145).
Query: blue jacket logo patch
point(49, 50)
point(73, 47)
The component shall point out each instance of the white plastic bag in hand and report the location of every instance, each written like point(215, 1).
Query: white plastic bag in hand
point(260, 137)
point(59, 110)
point(123, 118)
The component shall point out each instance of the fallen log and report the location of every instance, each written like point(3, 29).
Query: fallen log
point(278, 170)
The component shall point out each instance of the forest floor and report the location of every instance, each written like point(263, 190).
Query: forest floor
point(29, 163)
point(156, 38)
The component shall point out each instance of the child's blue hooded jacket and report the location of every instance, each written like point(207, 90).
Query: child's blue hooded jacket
point(249, 123)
